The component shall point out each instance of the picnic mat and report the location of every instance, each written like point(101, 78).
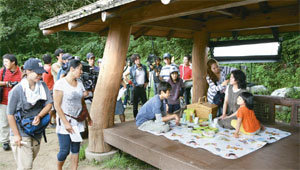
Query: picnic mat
point(223, 143)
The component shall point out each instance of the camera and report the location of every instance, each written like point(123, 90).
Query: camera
point(89, 77)
point(12, 83)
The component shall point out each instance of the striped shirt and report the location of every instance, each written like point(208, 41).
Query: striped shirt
point(165, 72)
point(214, 88)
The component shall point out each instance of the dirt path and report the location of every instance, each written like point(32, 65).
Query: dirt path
point(46, 159)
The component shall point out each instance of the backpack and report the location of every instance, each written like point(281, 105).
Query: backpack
point(31, 130)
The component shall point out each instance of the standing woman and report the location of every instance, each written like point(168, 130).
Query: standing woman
point(33, 97)
point(237, 86)
point(69, 101)
point(216, 79)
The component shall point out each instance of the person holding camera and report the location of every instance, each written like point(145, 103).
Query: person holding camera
point(30, 98)
point(139, 78)
point(90, 57)
point(156, 71)
point(10, 75)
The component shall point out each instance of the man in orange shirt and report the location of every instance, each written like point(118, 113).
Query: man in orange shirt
point(49, 80)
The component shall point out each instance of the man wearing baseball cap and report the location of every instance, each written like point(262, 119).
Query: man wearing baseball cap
point(90, 57)
point(165, 70)
point(33, 97)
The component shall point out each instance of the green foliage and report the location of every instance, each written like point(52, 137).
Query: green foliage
point(82, 151)
point(293, 93)
point(125, 161)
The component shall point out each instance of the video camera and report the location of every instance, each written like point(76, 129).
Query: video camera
point(89, 77)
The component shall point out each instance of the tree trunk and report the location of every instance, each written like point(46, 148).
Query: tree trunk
point(107, 88)
point(199, 60)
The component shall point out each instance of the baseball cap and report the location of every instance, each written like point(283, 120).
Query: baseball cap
point(167, 55)
point(67, 56)
point(89, 55)
point(174, 69)
point(35, 65)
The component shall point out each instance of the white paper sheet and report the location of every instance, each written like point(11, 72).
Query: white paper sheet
point(121, 93)
point(76, 137)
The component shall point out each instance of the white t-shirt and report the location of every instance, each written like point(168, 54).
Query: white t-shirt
point(71, 103)
point(140, 76)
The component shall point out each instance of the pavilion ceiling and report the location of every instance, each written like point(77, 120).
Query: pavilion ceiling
point(181, 18)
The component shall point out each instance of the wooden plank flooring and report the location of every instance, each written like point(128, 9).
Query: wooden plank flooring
point(167, 154)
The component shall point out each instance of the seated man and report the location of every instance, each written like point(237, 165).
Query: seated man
point(155, 107)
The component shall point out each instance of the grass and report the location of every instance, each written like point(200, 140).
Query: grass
point(82, 151)
point(123, 160)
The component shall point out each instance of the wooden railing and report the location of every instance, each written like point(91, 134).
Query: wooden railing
point(264, 107)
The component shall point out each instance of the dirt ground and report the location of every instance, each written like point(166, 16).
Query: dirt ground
point(46, 159)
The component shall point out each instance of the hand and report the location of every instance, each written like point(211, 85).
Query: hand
point(90, 122)
point(18, 140)
point(69, 128)
point(145, 85)
point(223, 116)
point(236, 135)
point(225, 82)
point(176, 119)
point(36, 120)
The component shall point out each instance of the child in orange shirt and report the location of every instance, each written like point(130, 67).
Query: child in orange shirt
point(246, 122)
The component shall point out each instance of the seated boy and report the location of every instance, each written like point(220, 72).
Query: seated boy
point(155, 106)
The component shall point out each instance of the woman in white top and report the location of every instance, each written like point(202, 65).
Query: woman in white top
point(69, 101)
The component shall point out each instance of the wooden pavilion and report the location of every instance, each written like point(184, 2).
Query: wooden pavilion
point(199, 20)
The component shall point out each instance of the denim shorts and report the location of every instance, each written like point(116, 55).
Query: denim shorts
point(65, 146)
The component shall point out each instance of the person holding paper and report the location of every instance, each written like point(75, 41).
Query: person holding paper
point(69, 101)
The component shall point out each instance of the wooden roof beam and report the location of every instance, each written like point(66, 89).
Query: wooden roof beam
point(104, 31)
point(75, 24)
point(156, 11)
point(264, 7)
point(278, 17)
point(141, 32)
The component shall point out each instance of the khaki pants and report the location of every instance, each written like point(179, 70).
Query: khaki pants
point(25, 154)
point(4, 127)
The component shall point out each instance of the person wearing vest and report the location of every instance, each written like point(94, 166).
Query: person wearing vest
point(10, 75)
point(237, 86)
point(139, 78)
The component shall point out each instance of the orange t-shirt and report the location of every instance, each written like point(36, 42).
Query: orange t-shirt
point(48, 78)
point(249, 121)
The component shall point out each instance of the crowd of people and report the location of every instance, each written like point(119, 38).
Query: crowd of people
point(38, 88)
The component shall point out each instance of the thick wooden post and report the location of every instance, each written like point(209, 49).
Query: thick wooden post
point(199, 60)
point(107, 88)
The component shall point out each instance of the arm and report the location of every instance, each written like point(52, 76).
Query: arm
point(225, 105)
point(89, 119)
point(239, 122)
point(13, 125)
point(213, 86)
point(234, 114)
point(43, 112)
point(57, 95)
point(170, 117)
point(55, 68)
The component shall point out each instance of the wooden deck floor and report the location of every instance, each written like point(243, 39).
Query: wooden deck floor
point(167, 154)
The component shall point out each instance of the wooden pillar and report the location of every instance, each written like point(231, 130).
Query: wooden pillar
point(199, 60)
point(107, 88)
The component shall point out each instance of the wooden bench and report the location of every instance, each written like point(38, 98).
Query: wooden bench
point(167, 154)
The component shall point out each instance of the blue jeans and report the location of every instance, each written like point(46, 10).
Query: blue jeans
point(155, 88)
point(65, 146)
point(128, 94)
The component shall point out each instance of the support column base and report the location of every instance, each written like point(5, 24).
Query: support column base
point(99, 156)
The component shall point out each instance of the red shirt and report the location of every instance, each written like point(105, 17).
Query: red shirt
point(9, 76)
point(48, 78)
point(187, 74)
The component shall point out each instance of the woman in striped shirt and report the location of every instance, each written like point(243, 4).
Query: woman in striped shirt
point(216, 79)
